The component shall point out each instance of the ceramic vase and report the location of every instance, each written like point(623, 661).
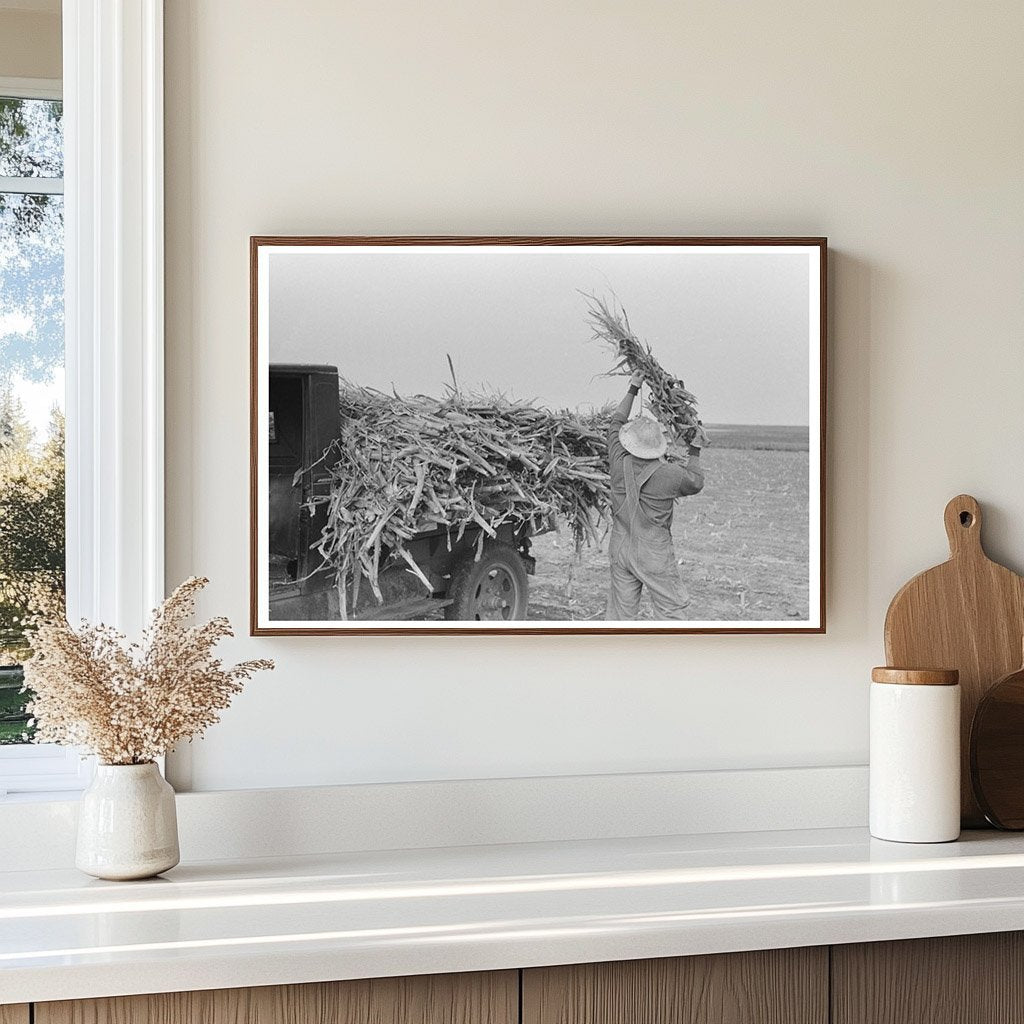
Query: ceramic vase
point(127, 825)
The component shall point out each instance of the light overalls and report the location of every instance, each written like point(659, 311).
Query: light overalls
point(641, 555)
point(640, 549)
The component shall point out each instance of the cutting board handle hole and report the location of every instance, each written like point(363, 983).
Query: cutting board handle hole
point(962, 518)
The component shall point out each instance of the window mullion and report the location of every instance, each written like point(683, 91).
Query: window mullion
point(32, 186)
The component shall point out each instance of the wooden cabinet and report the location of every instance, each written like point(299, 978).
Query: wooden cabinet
point(778, 986)
point(969, 979)
point(491, 998)
point(962, 979)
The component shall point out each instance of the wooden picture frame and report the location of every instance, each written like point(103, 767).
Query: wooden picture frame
point(324, 306)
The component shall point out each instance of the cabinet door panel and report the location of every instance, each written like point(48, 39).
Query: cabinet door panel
point(960, 979)
point(779, 986)
point(14, 1014)
point(490, 998)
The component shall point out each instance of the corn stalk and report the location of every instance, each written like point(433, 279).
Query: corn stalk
point(406, 466)
point(671, 403)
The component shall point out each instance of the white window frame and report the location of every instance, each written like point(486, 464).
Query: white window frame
point(114, 323)
point(31, 89)
point(37, 767)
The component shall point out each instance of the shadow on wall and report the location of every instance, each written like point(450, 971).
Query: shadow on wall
point(853, 287)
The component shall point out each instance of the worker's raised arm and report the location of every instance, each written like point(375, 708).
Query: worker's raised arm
point(621, 414)
point(691, 476)
point(616, 453)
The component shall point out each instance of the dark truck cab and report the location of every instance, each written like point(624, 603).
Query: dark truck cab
point(305, 419)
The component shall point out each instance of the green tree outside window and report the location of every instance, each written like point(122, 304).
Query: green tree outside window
point(32, 540)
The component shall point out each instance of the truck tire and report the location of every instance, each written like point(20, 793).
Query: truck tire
point(495, 589)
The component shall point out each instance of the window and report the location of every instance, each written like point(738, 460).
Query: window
point(31, 383)
point(32, 532)
point(112, 212)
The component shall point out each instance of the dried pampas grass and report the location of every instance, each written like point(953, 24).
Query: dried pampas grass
point(129, 703)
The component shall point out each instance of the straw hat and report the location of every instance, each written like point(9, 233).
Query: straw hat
point(643, 437)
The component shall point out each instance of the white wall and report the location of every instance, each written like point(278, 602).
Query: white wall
point(895, 129)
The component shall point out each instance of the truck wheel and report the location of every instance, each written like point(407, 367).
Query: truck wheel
point(495, 589)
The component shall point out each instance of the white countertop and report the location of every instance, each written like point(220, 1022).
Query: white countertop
point(226, 924)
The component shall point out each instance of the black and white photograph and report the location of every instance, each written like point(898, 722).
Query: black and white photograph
point(537, 435)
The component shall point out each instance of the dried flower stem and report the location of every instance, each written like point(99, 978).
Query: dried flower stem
point(129, 703)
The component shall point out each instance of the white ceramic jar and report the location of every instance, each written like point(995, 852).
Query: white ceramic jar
point(915, 755)
point(127, 823)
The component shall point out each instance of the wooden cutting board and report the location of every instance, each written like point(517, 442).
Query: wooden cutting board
point(967, 614)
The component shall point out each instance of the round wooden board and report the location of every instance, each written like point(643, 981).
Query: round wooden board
point(997, 752)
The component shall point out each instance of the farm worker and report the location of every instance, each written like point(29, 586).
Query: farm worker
point(644, 488)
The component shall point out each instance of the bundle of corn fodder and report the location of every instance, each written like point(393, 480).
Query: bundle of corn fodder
point(671, 403)
point(406, 466)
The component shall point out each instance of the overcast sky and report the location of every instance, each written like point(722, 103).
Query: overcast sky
point(734, 326)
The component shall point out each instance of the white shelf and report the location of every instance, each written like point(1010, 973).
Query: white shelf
point(354, 915)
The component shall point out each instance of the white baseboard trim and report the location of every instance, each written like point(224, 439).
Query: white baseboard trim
point(242, 824)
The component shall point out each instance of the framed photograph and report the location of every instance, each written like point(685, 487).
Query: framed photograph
point(537, 435)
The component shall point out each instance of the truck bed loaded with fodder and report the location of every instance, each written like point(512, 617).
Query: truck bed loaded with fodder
point(392, 507)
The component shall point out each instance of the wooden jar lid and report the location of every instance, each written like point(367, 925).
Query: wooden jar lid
point(916, 676)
